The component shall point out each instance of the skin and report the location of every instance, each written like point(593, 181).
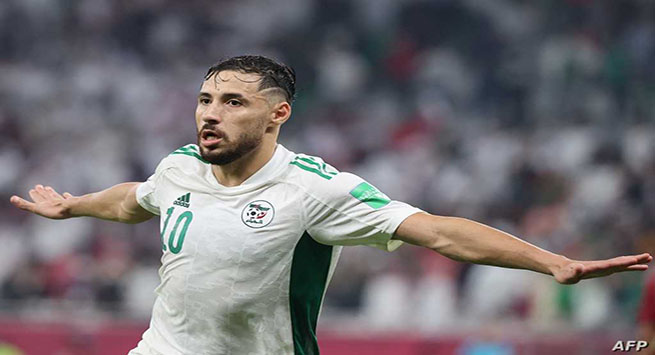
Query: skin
point(232, 103)
point(465, 240)
point(248, 120)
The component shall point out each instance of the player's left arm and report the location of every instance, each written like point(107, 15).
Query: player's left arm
point(465, 240)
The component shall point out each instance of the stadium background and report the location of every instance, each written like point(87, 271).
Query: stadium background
point(536, 117)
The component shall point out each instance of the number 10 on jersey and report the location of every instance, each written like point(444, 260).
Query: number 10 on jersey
point(177, 234)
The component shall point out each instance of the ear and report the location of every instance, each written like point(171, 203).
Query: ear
point(281, 113)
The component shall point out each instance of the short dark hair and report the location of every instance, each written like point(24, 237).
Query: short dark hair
point(274, 74)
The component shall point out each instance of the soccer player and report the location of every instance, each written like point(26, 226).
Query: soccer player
point(251, 232)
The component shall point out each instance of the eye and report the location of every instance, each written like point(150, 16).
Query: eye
point(204, 101)
point(234, 103)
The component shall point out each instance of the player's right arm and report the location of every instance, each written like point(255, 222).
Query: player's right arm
point(117, 203)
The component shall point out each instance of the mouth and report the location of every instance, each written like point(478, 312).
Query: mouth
point(210, 137)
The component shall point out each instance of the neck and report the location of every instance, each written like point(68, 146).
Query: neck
point(238, 171)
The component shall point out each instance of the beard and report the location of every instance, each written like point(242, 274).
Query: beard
point(245, 144)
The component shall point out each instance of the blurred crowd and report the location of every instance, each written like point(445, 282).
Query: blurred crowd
point(535, 117)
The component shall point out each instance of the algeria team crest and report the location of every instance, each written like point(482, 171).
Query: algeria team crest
point(257, 214)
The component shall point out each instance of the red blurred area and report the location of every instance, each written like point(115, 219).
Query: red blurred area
point(118, 337)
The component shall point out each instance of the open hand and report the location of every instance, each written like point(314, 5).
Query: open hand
point(573, 271)
point(47, 202)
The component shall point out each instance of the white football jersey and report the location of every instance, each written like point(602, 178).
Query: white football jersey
point(245, 268)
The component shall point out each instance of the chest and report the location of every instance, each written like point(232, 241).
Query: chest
point(215, 229)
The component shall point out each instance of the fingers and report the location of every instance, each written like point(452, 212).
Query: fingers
point(640, 267)
point(22, 204)
point(37, 194)
point(52, 194)
point(42, 193)
point(599, 268)
point(622, 261)
point(620, 264)
point(644, 258)
point(634, 259)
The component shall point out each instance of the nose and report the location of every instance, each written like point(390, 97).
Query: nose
point(211, 115)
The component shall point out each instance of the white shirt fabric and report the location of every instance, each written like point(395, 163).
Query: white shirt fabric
point(245, 268)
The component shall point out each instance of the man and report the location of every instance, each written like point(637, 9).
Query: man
point(251, 232)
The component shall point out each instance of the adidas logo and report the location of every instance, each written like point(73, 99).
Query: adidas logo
point(183, 200)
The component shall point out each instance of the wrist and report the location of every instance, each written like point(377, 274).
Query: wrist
point(557, 263)
point(74, 205)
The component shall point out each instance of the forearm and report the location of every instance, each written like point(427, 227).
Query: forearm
point(117, 203)
point(466, 240)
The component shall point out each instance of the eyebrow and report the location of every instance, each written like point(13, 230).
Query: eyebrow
point(224, 96)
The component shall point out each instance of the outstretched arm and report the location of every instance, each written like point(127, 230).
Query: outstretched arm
point(117, 203)
point(465, 240)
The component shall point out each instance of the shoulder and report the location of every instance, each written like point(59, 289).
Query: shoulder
point(186, 159)
point(310, 168)
point(320, 180)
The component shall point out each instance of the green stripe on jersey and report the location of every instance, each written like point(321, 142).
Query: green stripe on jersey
point(309, 271)
point(191, 154)
point(309, 163)
point(321, 167)
point(307, 168)
point(189, 147)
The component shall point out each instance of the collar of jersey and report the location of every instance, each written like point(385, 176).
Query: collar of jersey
point(265, 174)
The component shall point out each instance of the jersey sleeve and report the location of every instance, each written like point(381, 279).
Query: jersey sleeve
point(183, 165)
point(346, 210)
point(146, 196)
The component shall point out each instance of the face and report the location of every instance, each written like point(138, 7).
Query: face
point(232, 116)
